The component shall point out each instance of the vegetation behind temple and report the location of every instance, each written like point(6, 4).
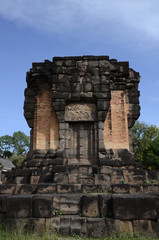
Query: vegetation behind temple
point(145, 143)
point(14, 147)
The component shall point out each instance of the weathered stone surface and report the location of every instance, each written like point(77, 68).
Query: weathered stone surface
point(106, 208)
point(37, 225)
point(135, 206)
point(151, 188)
point(96, 228)
point(3, 200)
point(107, 188)
point(61, 178)
point(25, 189)
point(120, 228)
point(80, 112)
point(22, 179)
point(90, 206)
point(120, 188)
point(89, 188)
point(65, 188)
point(53, 223)
point(19, 206)
point(34, 179)
point(46, 188)
point(43, 206)
point(154, 228)
point(65, 223)
point(7, 189)
point(101, 179)
point(142, 227)
point(76, 225)
point(70, 206)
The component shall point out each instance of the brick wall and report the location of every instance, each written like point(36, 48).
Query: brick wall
point(45, 134)
point(108, 131)
point(116, 134)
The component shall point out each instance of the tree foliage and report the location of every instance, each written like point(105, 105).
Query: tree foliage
point(146, 143)
point(14, 147)
point(20, 143)
point(6, 146)
point(151, 155)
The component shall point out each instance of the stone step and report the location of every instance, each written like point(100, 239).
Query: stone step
point(104, 160)
point(77, 226)
point(115, 177)
point(52, 188)
point(117, 206)
point(98, 215)
point(84, 174)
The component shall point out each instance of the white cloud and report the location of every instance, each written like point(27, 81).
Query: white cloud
point(122, 16)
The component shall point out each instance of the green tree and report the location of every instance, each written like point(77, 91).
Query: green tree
point(14, 147)
point(20, 143)
point(6, 146)
point(143, 136)
point(151, 155)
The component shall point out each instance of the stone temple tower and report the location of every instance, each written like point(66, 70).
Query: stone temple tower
point(81, 107)
point(80, 176)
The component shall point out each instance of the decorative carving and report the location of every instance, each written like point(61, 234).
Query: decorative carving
point(80, 112)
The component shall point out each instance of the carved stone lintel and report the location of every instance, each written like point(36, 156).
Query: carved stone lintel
point(80, 112)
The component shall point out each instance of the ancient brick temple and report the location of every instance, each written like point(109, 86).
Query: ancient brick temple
point(80, 176)
point(79, 107)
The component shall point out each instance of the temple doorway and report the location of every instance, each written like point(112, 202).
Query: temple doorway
point(82, 143)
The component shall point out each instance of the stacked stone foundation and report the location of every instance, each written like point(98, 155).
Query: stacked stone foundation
point(83, 200)
point(98, 215)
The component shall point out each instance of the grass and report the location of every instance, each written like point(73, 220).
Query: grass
point(47, 235)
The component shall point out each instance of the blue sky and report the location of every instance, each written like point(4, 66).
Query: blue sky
point(35, 30)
